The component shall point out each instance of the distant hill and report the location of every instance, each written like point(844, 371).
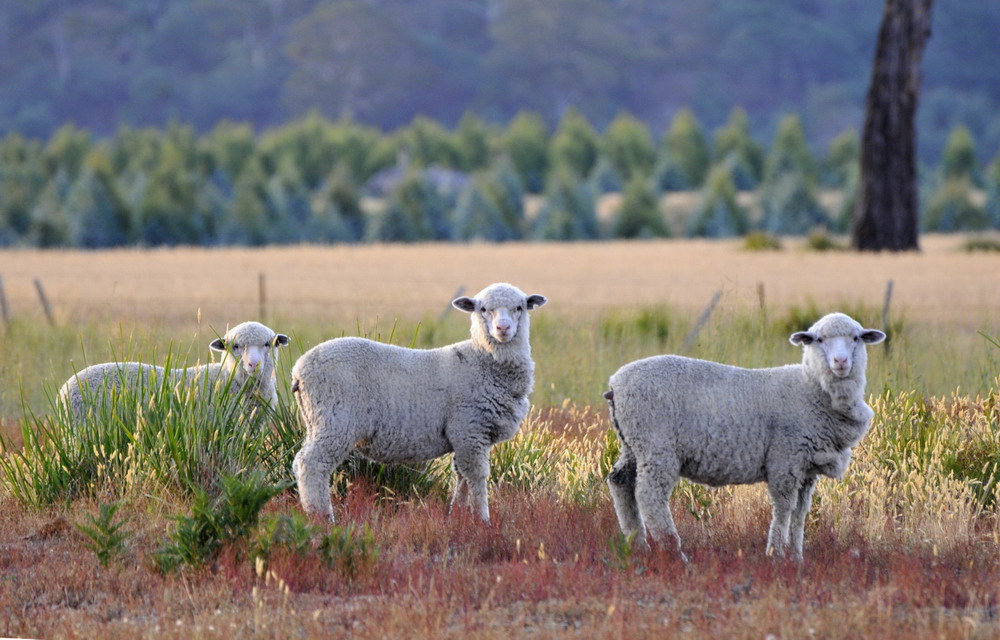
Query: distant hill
point(104, 63)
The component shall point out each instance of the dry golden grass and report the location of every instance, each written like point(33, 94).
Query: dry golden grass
point(344, 283)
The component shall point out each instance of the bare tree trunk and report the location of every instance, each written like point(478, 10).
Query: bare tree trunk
point(886, 214)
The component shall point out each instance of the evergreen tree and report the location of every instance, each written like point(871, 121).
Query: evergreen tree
point(415, 211)
point(569, 212)
point(428, 143)
point(230, 146)
point(790, 205)
point(22, 178)
point(477, 217)
point(248, 220)
point(574, 144)
point(526, 143)
point(97, 214)
point(685, 144)
point(958, 160)
point(841, 160)
point(789, 152)
point(718, 215)
point(604, 178)
point(473, 141)
point(669, 174)
point(951, 209)
point(505, 189)
point(732, 144)
point(993, 193)
point(66, 150)
point(629, 147)
point(340, 192)
point(50, 226)
point(639, 215)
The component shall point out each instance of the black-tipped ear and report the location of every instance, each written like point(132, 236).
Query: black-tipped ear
point(872, 336)
point(536, 300)
point(801, 338)
point(280, 340)
point(217, 345)
point(465, 304)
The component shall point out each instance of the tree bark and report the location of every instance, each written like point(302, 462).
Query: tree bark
point(886, 214)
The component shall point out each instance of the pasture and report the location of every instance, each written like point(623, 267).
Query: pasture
point(905, 545)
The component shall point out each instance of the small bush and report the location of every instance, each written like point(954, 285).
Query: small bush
point(229, 518)
point(973, 245)
point(820, 240)
point(349, 549)
point(761, 241)
point(105, 537)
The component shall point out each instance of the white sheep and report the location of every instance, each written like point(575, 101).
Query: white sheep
point(717, 425)
point(247, 361)
point(394, 404)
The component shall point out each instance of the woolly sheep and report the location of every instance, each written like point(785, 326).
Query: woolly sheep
point(717, 425)
point(394, 404)
point(247, 359)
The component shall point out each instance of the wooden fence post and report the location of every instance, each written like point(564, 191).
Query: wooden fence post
point(45, 301)
point(691, 337)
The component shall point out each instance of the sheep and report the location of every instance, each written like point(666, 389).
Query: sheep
point(247, 361)
point(394, 404)
point(718, 425)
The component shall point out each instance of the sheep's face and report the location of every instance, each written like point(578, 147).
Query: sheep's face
point(250, 345)
point(499, 311)
point(839, 341)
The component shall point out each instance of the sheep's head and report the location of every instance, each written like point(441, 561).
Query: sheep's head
point(838, 341)
point(499, 312)
point(248, 348)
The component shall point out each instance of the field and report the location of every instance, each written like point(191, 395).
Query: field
point(905, 545)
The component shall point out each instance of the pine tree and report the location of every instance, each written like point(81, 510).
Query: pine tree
point(477, 217)
point(958, 159)
point(732, 144)
point(574, 144)
point(569, 212)
point(639, 215)
point(718, 215)
point(526, 143)
point(629, 147)
point(685, 144)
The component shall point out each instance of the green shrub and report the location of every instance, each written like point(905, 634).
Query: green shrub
point(951, 209)
point(958, 159)
point(639, 215)
point(761, 241)
point(718, 215)
point(349, 549)
point(105, 537)
point(228, 519)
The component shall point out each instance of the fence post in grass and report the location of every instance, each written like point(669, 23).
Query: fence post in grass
point(459, 291)
point(261, 298)
point(3, 305)
point(691, 337)
point(885, 313)
point(45, 301)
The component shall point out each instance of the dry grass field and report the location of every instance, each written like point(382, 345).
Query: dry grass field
point(906, 545)
point(940, 285)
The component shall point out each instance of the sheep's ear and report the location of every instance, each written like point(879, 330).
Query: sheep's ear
point(802, 338)
point(536, 300)
point(465, 304)
point(217, 345)
point(872, 336)
point(280, 340)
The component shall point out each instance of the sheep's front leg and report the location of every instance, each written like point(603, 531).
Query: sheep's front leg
point(799, 513)
point(473, 463)
point(784, 494)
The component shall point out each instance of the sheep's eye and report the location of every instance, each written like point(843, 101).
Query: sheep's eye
point(236, 346)
point(519, 309)
point(819, 340)
point(855, 338)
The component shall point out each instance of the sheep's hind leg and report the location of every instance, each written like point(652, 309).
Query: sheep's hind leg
point(461, 489)
point(313, 464)
point(621, 483)
point(653, 486)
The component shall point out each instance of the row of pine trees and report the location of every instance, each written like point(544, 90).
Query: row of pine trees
point(314, 180)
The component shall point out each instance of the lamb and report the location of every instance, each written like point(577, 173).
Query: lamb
point(394, 404)
point(717, 425)
point(247, 361)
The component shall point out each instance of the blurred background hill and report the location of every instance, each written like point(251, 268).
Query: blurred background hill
point(103, 63)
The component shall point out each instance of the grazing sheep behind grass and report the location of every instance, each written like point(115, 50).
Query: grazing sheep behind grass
point(394, 404)
point(247, 366)
point(717, 425)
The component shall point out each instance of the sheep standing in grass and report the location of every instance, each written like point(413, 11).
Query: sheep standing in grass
point(394, 404)
point(717, 425)
point(247, 366)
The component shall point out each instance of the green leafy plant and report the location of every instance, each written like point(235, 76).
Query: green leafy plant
point(105, 537)
point(349, 549)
